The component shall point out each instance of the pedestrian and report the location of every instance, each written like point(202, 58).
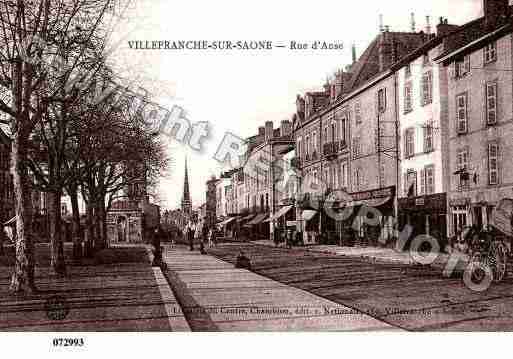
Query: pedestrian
point(243, 262)
point(213, 238)
point(157, 252)
point(190, 235)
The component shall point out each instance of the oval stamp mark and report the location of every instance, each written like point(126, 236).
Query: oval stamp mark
point(57, 308)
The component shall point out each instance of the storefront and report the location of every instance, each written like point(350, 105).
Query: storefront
point(348, 212)
point(426, 214)
point(257, 227)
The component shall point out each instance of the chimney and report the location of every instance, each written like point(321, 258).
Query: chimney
point(495, 12)
point(285, 128)
point(261, 131)
point(444, 28)
point(308, 105)
point(353, 51)
point(300, 105)
point(381, 27)
point(413, 25)
point(269, 130)
point(385, 51)
point(339, 83)
point(428, 25)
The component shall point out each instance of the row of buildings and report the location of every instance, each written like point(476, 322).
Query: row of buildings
point(419, 127)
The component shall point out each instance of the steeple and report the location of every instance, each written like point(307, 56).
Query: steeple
point(186, 199)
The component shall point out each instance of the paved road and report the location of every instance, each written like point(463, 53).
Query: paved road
point(408, 297)
point(215, 296)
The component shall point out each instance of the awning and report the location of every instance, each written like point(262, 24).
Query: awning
point(258, 219)
point(247, 218)
point(283, 211)
point(11, 221)
point(227, 221)
point(308, 214)
point(374, 202)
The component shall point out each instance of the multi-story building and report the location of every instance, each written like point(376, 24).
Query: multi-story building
point(346, 140)
point(423, 132)
point(479, 58)
point(261, 171)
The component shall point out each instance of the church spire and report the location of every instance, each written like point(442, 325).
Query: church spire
point(186, 199)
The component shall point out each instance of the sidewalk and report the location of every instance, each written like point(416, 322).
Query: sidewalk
point(374, 254)
point(215, 296)
point(107, 297)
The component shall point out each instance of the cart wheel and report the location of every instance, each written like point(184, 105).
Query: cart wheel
point(497, 259)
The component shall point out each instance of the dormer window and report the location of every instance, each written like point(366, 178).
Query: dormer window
point(462, 66)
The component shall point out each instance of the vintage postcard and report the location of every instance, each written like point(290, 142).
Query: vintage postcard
point(222, 166)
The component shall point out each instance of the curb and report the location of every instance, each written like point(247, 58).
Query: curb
point(174, 311)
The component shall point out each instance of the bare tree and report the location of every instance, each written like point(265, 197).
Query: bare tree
point(41, 43)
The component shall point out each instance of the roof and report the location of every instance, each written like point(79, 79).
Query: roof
point(469, 33)
point(367, 66)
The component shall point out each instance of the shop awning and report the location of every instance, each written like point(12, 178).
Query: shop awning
point(308, 214)
point(258, 219)
point(247, 218)
point(374, 202)
point(11, 221)
point(283, 211)
point(227, 221)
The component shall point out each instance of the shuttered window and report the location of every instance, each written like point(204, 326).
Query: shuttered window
point(461, 113)
point(491, 103)
point(493, 163)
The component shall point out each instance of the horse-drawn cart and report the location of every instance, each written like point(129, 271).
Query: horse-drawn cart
point(492, 248)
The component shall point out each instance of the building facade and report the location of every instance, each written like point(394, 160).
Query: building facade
point(480, 91)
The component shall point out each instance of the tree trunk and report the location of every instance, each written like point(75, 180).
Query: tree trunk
point(103, 216)
point(23, 277)
point(76, 228)
point(89, 230)
point(98, 243)
point(56, 239)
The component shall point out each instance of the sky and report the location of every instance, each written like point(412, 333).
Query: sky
point(239, 91)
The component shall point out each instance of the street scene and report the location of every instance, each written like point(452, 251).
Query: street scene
point(372, 193)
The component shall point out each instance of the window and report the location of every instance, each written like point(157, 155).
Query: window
point(490, 52)
point(356, 147)
point(358, 179)
point(358, 113)
point(428, 137)
point(333, 131)
point(462, 67)
point(410, 184)
point(407, 71)
point(429, 173)
point(307, 152)
point(409, 143)
point(462, 165)
point(491, 103)
point(407, 98)
point(382, 100)
point(427, 88)
point(299, 148)
point(493, 166)
point(314, 142)
point(461, 114)
point(343, 175)
point(326, 137)
point(343, 129)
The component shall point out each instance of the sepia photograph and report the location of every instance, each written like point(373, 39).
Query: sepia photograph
point(174, 169)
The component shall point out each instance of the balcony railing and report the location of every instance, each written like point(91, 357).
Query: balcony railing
point(331, 149)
